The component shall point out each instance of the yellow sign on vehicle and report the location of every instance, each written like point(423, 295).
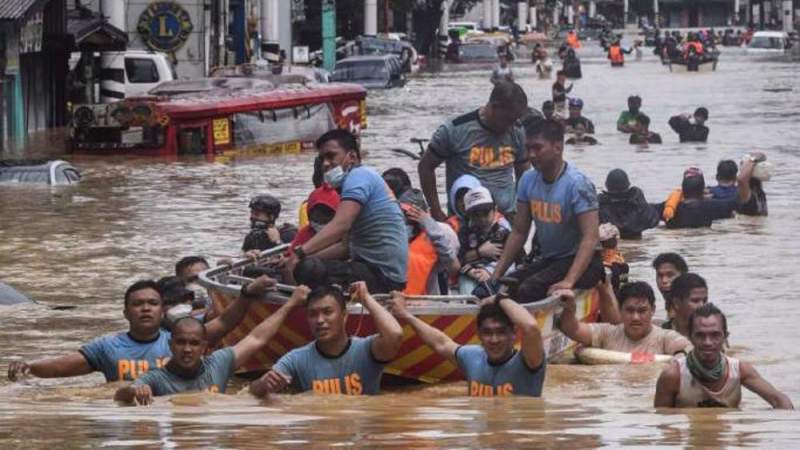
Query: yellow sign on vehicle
point(222, 132)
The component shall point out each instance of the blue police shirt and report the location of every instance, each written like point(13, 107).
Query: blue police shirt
point(378, 235)
point(122, 358)
point(355, 372)
point(213, 376)
point(555, 208)
point(513, 377)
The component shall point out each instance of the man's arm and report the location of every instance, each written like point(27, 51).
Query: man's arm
point(516, 240)
point(338, 251)
point(743, 180)
point(667, 387)
point(261, 334)
point(427, 181)
point(390, 333)
point(70, 365)
point(588, 223)
point(232, 315)
point(753, 381)
point(532, 346)
point(433, 338)
point(568, 323)
point(609, 308)
point(336, 229)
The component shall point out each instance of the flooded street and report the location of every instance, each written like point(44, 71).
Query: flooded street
point(133, 218)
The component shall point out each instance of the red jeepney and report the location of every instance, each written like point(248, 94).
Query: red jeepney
point(219, 118)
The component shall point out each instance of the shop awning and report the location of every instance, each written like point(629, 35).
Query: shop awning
point(91, 32)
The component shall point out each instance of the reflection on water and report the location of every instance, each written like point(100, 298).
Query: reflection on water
point(132, 218)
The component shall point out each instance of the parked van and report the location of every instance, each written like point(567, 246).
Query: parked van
point(769, 41)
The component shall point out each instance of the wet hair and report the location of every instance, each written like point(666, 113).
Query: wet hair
point(693, 187)
point(727, 170)
point(397, 179)
point(173, 291)
point(188, 319)
point(311, 271)
point(493, 311)
point(682, 286)
point(550, 130)
point(643, 120)
point(671, 258)
point(509, 95)
point(548, 104)
point(708, 310)
point(638, 289)
point(561, 73)
point(140, 285)
point(344, 138)
point(327, 290)
point(701, 111)
point(635, 99)
point(187, 262)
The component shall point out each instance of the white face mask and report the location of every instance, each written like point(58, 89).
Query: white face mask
point(316, 226)
point(335, 176)
point(178, 312)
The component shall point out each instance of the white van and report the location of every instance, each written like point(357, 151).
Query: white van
point(768, 41)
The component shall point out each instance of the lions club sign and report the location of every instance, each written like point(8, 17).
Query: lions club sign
point(164, 26)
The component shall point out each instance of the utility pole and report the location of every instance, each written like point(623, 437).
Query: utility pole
point(328, 34)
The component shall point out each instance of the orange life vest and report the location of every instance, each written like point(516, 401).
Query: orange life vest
point(572, 40)
point(615, 54)
point(422, 259)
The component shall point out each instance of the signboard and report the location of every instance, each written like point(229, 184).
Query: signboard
point(300, 54)
point(221, 131)
point(164, 26)
point(30, 37)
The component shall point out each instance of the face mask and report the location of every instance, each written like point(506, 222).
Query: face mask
point(259, 224)
point(335, 176)
point(178, 312)
point(316, 226)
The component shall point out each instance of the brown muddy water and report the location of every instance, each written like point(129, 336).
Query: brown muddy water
point(133, 218)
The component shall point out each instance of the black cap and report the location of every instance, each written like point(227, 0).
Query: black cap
point(617, 181)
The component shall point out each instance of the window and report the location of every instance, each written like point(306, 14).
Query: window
point(305, 123)
point(140, 70)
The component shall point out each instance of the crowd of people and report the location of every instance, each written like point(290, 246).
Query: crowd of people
point(363, 232)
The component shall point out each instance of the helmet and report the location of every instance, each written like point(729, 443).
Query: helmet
point(266, 203)
point(575, 103)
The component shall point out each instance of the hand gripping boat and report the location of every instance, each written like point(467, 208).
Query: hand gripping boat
point(453, 314)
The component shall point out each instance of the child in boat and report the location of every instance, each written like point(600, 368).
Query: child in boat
point(482, 239)
point(322, 204)
point(264, 233)
point(613, 261)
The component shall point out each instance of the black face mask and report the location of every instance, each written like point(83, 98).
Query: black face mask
point(260, 224)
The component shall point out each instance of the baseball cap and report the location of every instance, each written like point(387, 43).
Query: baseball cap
point(476, 197)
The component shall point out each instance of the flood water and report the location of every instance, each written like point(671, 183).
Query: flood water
point(134, 218)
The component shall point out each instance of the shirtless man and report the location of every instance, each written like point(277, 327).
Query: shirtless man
point(706, 377)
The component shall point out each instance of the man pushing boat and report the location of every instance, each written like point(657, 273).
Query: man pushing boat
point(495, 367)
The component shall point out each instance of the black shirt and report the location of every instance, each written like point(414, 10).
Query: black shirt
point(687, 131)
point(575, 121)
point(653, 138)
point(700, 213)
point(756, 205)
point(628, 211)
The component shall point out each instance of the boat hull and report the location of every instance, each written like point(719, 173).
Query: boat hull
point(416, 361)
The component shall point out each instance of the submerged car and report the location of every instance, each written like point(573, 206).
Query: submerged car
point(769, 41)
point(53, 173)
point(371, 72)
point(476, 52)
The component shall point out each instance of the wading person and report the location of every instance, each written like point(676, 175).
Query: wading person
point(189, 370)
point(636, 333)
point(127, 355)
point(627, 123)
point(706, 377)
point(626, 206)
point(486, 143)
point(668, 266)
point(335, 363)
point(691, 128)
point(376, 248)
point(495, 367)
point(689, 292)
point(561, 201)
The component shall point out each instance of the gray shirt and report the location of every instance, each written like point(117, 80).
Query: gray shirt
point(214, 373)
point(468, 147)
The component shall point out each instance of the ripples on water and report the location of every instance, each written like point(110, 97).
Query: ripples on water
point(132, 218)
